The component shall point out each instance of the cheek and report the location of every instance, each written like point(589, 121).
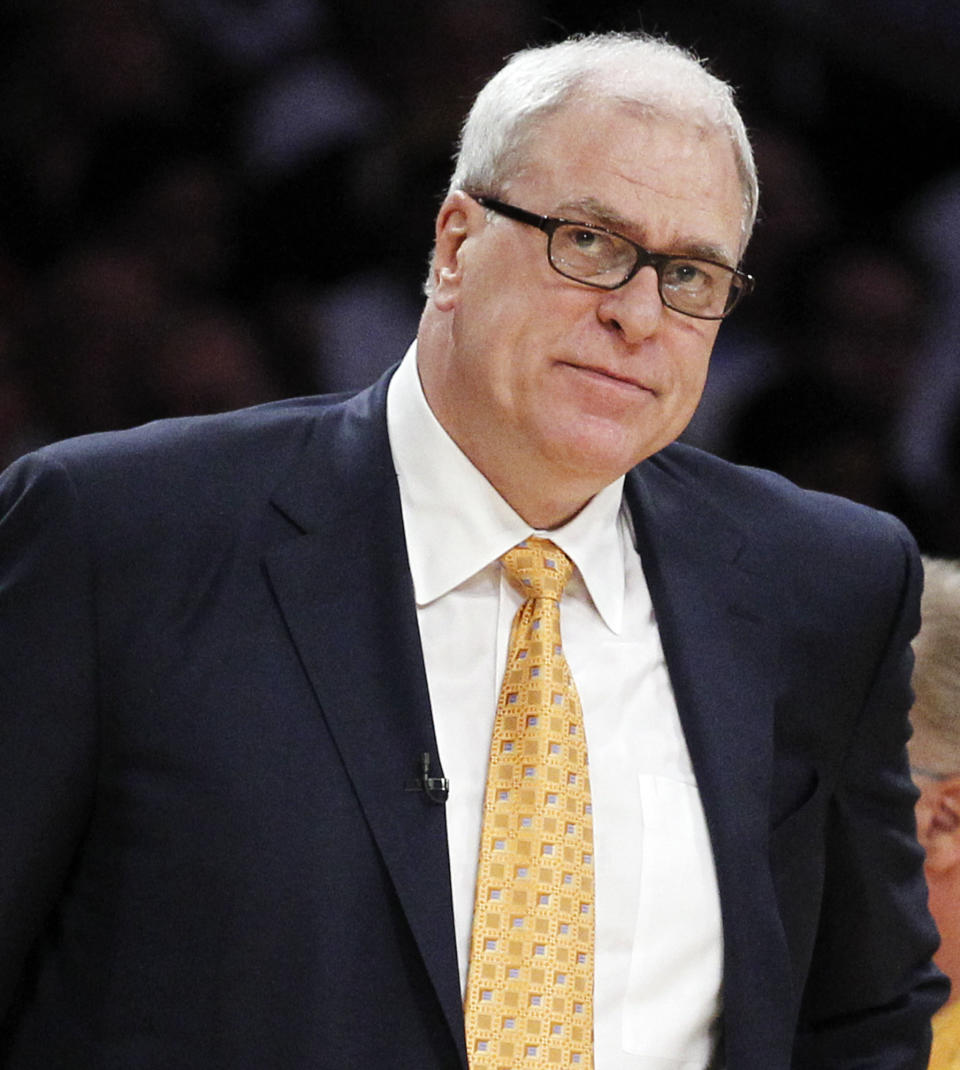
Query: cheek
point(691, 380)
point(700, 349)
point(490, 371)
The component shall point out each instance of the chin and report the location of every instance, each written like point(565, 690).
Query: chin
point(603, 446)
point(595, 462)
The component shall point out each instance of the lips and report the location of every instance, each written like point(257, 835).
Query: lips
point(609, 375)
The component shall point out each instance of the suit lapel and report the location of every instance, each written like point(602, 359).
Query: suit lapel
point(344, 587)
point(721, 647)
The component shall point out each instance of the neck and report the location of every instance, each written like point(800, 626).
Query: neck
point(545, 512)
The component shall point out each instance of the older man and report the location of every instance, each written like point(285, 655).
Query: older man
point(935, 762)
point(297, 771)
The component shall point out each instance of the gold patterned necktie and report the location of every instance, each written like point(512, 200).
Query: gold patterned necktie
point(529, 1001)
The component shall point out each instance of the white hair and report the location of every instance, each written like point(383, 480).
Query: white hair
point(647, 73)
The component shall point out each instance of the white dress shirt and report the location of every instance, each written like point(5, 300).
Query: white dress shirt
point(658, 933)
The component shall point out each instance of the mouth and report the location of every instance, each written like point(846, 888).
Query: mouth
point(610, 377)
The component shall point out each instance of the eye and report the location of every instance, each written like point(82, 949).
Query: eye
point(584, 252)
point(585, 240)
point(691, 275)
point(592, 243)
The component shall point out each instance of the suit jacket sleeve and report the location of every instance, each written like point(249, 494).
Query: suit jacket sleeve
point(871, 986)
point(48, 727)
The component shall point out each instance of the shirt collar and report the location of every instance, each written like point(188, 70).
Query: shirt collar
point(456, 523)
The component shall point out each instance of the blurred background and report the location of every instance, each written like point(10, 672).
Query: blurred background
point(210, 203)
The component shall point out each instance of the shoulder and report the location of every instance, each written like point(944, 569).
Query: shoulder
point(202, 474)
point(243, 451)
point(764, 506)
point(816, 553)
point(228, 441)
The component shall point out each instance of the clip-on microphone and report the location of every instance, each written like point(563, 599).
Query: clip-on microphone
point(436, 788)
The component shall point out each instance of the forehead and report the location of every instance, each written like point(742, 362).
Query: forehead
point(665, 180)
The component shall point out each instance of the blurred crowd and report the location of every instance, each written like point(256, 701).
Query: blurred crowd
point(210, 203)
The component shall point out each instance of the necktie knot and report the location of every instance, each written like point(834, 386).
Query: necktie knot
point(538, 568)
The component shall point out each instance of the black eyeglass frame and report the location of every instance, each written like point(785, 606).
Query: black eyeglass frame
point(742, 282)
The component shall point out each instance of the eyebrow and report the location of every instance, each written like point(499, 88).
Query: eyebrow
point(595, 211)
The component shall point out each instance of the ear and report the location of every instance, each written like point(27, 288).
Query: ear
point(459, 217)
point(938, 824)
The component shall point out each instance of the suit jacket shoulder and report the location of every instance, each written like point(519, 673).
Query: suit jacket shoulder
point(764, 505)
point(811, 552)
point(192, 482)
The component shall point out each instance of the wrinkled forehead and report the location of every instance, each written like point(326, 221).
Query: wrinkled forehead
point(696, 120)
point(623, 154)
point(559, 130)
point(562, 128)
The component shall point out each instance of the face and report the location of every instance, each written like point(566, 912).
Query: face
point(938, 831)
point(552, 388)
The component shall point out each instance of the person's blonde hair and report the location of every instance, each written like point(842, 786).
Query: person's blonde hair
point(936, 672)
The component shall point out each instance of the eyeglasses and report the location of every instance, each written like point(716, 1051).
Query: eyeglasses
point(602, 258)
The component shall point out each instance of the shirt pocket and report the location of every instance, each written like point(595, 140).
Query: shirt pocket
point(673, 989)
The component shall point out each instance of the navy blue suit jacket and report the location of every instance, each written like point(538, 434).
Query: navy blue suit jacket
point(212, 703)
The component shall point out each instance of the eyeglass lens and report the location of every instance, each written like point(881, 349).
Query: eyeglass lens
point(604, 259)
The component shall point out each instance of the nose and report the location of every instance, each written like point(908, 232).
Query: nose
point(635, 310)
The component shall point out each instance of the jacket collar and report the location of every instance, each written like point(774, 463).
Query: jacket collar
point(344, 587)
point(709, 589)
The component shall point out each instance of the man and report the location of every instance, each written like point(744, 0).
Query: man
point(935, 763)
point(251, 667)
